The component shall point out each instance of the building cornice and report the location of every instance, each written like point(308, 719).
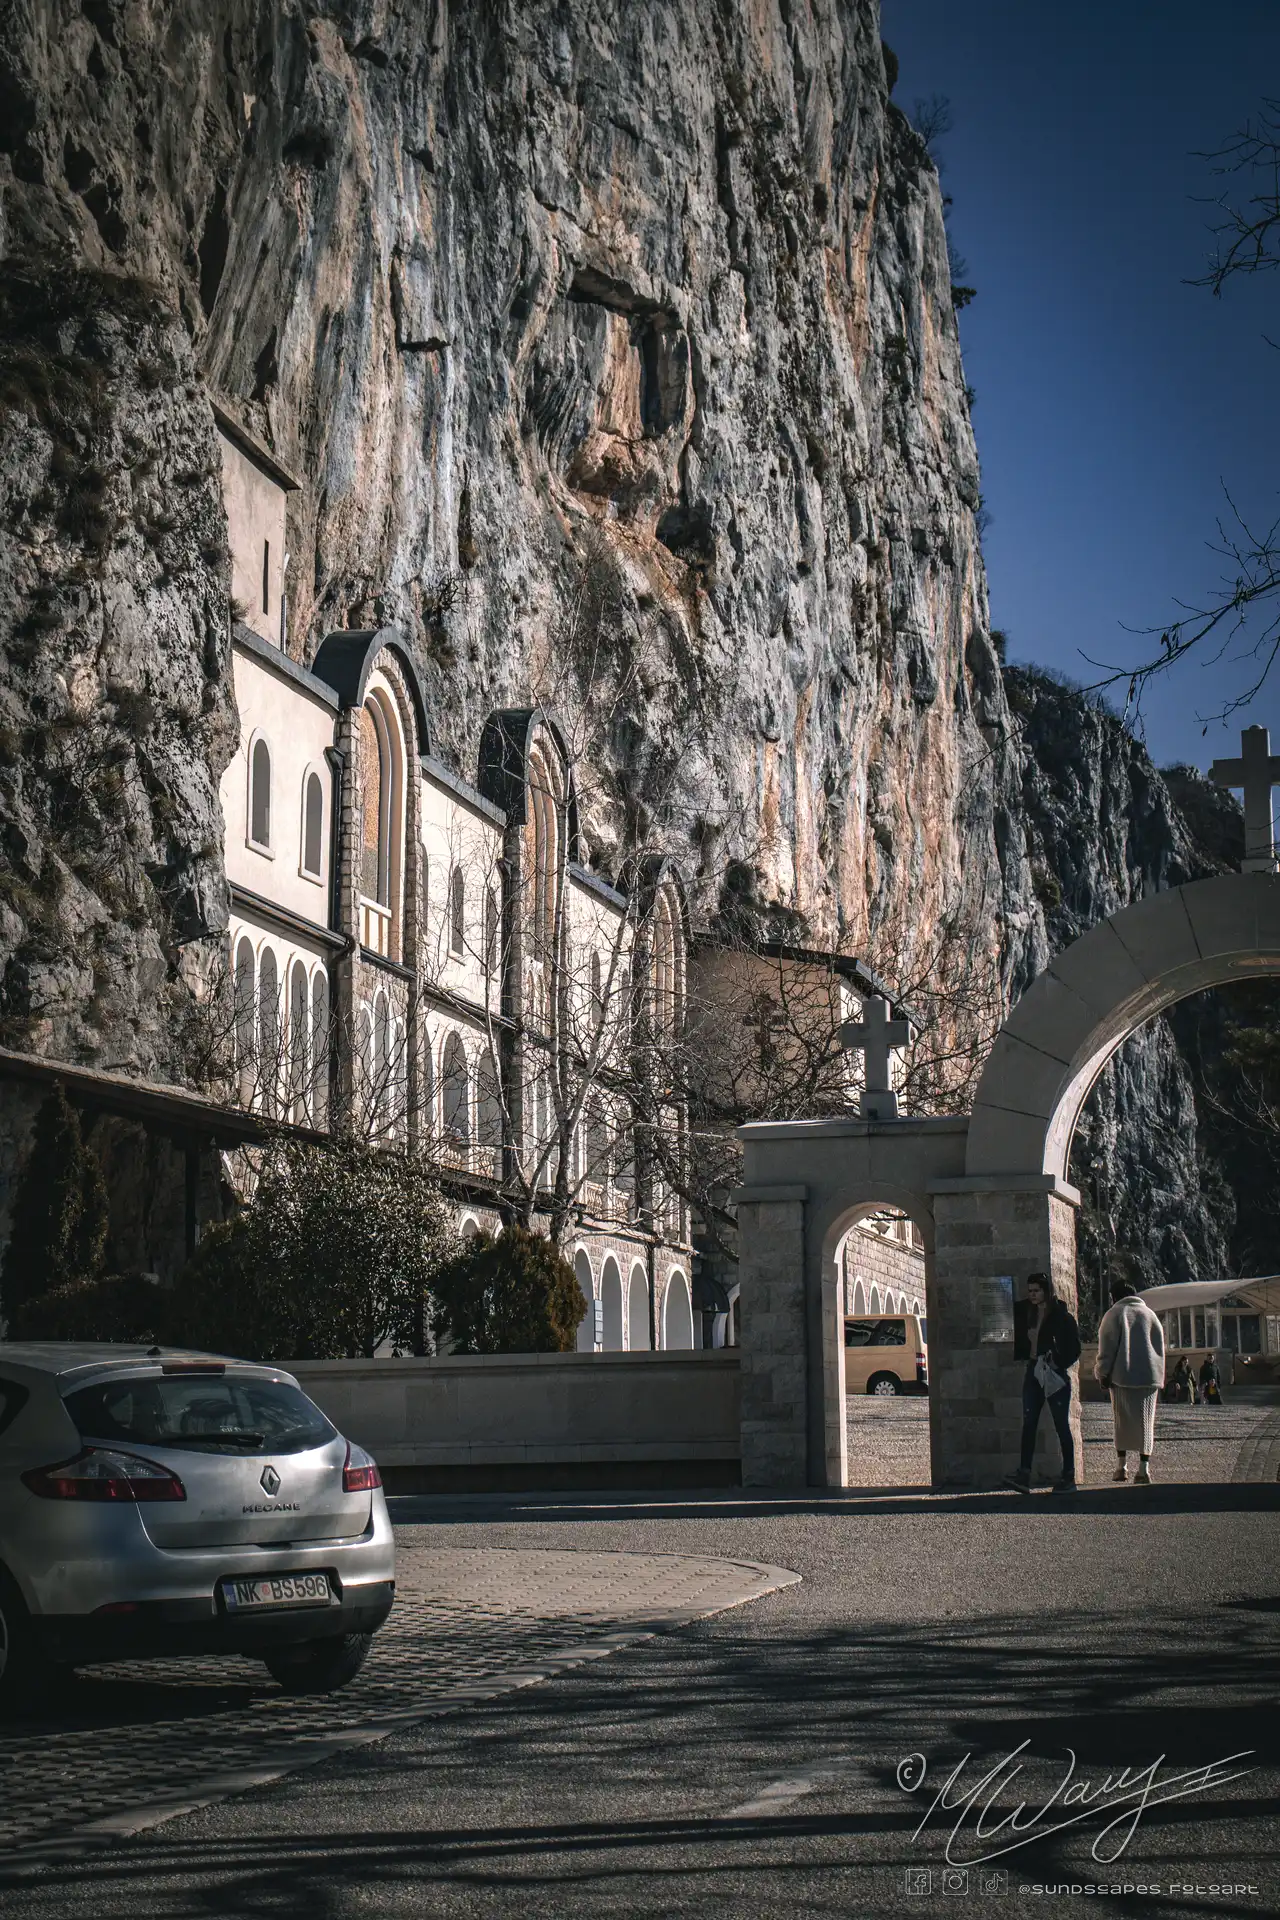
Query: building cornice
point(278, 662)
point(282, 920)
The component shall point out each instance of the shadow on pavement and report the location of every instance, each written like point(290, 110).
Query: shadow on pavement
point(558, 1802)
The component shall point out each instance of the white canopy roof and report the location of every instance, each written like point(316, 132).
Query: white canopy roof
point(1262, 1293)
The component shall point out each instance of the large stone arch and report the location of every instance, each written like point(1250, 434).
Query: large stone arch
point(1094, 995)
point(989, 1193)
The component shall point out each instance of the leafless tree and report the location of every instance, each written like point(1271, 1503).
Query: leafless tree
point(1241, 618)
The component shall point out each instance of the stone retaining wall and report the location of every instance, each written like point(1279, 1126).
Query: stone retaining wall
point(500, 1421)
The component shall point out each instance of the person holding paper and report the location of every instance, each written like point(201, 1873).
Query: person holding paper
point(1046, 1336)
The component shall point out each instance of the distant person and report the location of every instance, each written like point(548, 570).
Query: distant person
point(1130, 1367)
point(1210, 1381)
point(1181, 1386)
point(1046, 1336)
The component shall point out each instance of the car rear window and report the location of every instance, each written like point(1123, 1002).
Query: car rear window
point(218, 1414)
point(13, 1399)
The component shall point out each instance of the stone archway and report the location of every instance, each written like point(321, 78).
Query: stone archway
point(989, 1191)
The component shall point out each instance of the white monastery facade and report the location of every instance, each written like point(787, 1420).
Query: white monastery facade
point(428, 956)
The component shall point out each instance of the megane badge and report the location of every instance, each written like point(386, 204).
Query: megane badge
point(270, 1482)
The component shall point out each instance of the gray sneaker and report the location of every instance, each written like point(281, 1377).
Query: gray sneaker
point(1142, 1478)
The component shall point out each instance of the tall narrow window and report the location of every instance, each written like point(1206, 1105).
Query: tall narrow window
point(266, 576)
point(491, 931)
point(455, 1087)
point(431, 1120)
point(597, 1144)
point(458, 913)
point(312, 825)
point(375, 783)
point(299, 1042)
point(245, 1020)
point(381, 1101)
point(269, 1062)
point(597, 993)
point(320, 1049)
point(489, 1116)
point(260, 795)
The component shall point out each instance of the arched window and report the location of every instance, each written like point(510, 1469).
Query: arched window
point(677, 1313)
point(320, 1049)
point(492, 931)
point(611, 1301)
point(875, 1299)
point(546, 802)
point(380, 1102)
point(587, 1325)
point(269, 1062)
point(397, 1080)
point(299, 1041)
point(365, 1068)
point(430, 1118)
point(859, 1297)
point(457, 913)
point(489, 1116)
point(245, 1012)
point(665, 972)
point(455, 1088)
point(260, 796)
point(312, 825)
point(638, 1311)
point(375, 811)
point(597, 1168)
point(597, 993)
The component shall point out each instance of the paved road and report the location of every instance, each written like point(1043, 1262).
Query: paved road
point(889, 1439)
point(745, 1764)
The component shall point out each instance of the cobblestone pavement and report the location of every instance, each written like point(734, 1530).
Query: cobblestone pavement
point(889, 1442)
point(125, 1747)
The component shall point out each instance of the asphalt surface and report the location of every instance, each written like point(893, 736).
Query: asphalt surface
point(751, 1764)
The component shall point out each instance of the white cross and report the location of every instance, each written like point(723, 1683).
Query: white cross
point(1256, 771)
point(877, 1037)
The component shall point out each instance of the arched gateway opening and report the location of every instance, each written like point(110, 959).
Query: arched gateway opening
point(989, 1191)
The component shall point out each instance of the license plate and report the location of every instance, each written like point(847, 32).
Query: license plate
point(285, 1590)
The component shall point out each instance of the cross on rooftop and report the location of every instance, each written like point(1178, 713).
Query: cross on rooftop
point(1256, 771)
point(877, 1037)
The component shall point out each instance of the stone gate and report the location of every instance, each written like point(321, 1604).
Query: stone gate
point(988, 1191)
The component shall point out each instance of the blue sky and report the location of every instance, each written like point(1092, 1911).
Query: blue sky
point(1113, 399)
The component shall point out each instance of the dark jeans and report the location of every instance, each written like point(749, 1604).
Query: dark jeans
point(1033, 1399)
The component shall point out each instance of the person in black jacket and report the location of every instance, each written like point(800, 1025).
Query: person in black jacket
point(1046, 1336)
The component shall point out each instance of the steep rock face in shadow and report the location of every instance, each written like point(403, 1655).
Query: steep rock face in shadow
point(1103, 828)
point(527, 294)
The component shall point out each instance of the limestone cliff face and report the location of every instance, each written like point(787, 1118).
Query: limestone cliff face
point(522, 293)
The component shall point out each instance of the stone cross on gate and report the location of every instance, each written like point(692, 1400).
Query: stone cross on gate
point(877, 1037)
point(1256, 771)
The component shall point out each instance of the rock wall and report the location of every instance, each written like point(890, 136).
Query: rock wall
point(527, 296)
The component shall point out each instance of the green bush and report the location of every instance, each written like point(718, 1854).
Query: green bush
point(59, 1231)
point(513, 1294)
point(128, 1307)
point(333, 1257)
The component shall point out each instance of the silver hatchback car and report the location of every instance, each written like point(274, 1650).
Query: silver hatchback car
point(155, 1503)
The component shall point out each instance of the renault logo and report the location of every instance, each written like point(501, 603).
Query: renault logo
point(270, 1482)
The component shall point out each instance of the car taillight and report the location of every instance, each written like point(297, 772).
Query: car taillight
point(363, 1477)
point(100, 1473)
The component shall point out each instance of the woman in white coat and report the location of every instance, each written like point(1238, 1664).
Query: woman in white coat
point(1130, 1365)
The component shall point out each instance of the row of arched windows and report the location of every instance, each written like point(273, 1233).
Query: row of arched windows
point(261, 810)
point(618, 1332)
point(886, 1300)
point(282, 1034)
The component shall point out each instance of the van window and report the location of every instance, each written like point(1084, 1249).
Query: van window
point(924, 1332)
point(875, 1333)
